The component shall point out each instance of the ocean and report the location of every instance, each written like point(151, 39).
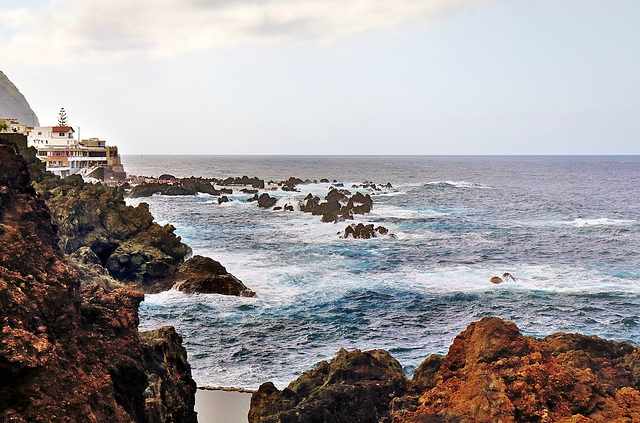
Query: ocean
point(566, 228)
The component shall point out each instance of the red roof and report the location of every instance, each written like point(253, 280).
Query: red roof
point(62, 129)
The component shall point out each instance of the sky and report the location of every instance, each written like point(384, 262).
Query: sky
point(333, 77)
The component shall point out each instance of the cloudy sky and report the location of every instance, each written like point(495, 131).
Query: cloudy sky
point(333, 76)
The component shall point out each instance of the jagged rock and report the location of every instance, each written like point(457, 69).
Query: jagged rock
point(150, 188)
point(90, 269)
point(355, 386)
point(199, 185)
point(121, 236)
point(206, 276)
point(494, 373)
point(265, 201)
point(66, 354)
point(363, 231)
point(223, 199)
point(170, 394)
point(245, 180)
point(491, 374)
point(254, 198)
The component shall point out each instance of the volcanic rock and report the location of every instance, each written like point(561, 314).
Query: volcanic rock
point(363, 231)
point(265, 201)
point(492, 373)
point(206, 276)
point(66, 354)
point(353, 387)
point(170, 392)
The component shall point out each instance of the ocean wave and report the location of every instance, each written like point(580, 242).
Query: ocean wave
point(454, 184)
point(390, 212)
point(581, 223)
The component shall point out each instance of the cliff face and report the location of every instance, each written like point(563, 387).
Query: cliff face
point(69, 354)
point(125, 239)
point(14, 105)
point(491, 374)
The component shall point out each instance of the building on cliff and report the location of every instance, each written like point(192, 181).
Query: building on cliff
point(64, 155)
point(10, 125)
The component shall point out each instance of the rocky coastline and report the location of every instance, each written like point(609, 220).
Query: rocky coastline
point(492, 373)
point(75, 262)
point(68, 353)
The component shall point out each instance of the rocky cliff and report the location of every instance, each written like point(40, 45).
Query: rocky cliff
point(69, 354)
point(492, 373)
point(14, 105)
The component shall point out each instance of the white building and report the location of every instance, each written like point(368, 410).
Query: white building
point(13, 126)
point(64, 155)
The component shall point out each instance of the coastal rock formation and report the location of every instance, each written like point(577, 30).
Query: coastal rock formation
point(355, 386)
point(133, 248)
point(363, 231)
point(492, 373)
point(265, 201)
point(206, 276)
point(245, 180)
point(171, 392)
point(66, 353)
point(337, 205)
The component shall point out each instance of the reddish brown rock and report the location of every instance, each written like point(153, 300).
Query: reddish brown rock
point(66, 354)
point(491, 374)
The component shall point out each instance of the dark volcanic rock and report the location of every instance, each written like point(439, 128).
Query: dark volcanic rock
point(171, 392)
point(245, 180)
point(363, 231)
point(128, 243)
point(150, 188)
point(66, 354)
point(265, 201)
point(206, 276)
point(353, 387)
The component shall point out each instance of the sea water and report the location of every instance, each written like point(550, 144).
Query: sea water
point(567, 229)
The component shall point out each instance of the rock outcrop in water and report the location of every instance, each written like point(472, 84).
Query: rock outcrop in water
point(492, 373)
point(206, 276)
point(69, 354)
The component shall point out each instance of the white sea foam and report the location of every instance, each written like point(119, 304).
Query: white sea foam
point(583, 223)
point(457, 184)
point(405, 213)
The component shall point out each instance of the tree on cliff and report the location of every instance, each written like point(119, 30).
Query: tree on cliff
point(62, 117)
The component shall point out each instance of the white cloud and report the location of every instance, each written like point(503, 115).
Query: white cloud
point(87, 31)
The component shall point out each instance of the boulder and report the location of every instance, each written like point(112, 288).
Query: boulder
point(223, 199)
point(496, 279)
point(204, 275)
point(355, 386)
point(363, 231)
point(265, 201)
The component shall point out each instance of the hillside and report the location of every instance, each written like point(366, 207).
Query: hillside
point(14, 105)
